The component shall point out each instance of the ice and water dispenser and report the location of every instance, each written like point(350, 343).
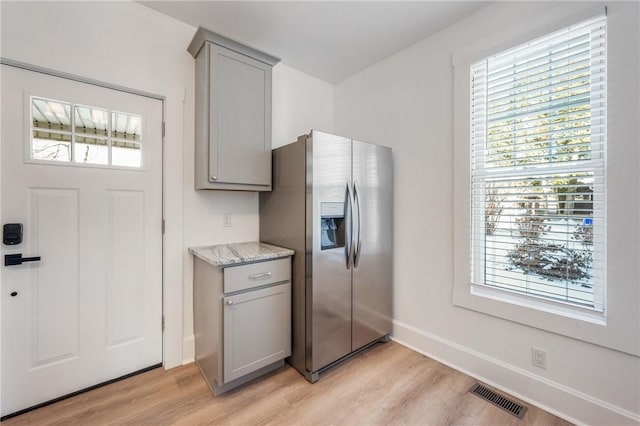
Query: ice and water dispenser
point(332, 226)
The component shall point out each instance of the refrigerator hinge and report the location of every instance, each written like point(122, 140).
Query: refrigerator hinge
point(163, 129)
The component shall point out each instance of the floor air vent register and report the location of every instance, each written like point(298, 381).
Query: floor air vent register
point(499, 401)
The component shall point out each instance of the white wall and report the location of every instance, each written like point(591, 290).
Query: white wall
point(300, 103)
point(406, 102)
point(127, 44)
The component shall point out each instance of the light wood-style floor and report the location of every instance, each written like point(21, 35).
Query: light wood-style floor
point(386, 385)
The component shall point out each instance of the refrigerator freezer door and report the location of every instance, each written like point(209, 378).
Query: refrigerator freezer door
point(329, 287)
point(373, 217)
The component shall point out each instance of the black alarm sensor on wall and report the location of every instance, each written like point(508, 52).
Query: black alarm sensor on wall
point(12, 234)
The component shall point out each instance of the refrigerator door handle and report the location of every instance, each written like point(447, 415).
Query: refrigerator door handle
point(348, 216)
point(357, 242)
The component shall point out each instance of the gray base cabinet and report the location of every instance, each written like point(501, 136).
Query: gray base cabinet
point(242, 320)
point(233, 114)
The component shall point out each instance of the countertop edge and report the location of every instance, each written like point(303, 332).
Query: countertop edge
point(205, 253)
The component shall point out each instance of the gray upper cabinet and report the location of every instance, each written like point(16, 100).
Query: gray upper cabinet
point(233, 114)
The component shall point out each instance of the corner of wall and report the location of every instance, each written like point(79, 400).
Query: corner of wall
point(188, 350)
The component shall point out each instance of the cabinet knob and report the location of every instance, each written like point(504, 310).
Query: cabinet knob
point(229, 302)
point(214, 177)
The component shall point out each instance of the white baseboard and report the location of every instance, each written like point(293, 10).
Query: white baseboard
point(560, 400)
point(188, 350)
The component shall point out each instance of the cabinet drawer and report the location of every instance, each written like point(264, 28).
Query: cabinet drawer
point(242, 277)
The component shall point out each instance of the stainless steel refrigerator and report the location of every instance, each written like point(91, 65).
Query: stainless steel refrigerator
point(332, 202)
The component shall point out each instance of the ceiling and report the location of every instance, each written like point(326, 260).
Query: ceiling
point(329, 40)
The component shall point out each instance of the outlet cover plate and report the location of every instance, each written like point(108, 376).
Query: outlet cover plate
point(539, 357)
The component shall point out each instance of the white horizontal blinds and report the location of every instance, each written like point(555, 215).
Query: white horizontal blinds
point(538, 167)
point(540, 96)
point(478, 137)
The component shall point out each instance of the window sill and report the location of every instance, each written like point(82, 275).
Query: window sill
point(555, 317)
point(543, 305)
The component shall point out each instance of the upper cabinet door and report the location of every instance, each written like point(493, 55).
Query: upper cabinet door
point(240, 119)
point(232, 114)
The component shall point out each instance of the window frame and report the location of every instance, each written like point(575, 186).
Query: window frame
point(483, 173)
point(28, 145)
point(609, 329)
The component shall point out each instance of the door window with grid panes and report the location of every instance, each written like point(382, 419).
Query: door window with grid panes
point(64, 132)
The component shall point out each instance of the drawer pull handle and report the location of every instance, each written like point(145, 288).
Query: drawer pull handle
point(258, 276)
point(229, 302)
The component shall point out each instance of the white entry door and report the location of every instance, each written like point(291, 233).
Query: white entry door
point(82, 172)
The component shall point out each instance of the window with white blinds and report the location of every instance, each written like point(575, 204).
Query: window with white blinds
point(538, 163)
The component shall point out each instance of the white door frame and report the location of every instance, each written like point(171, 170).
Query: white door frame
point(171, 336)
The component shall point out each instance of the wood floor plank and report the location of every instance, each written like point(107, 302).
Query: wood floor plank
point(387, 384)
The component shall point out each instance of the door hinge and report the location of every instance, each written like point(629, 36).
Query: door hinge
point(163, 226)
point(163, 130)
point(163, 323)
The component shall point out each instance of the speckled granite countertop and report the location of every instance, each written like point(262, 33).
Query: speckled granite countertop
point(238, 253)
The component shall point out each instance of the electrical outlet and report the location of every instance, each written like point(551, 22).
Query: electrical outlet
point(539, 358)
point(226, 220)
